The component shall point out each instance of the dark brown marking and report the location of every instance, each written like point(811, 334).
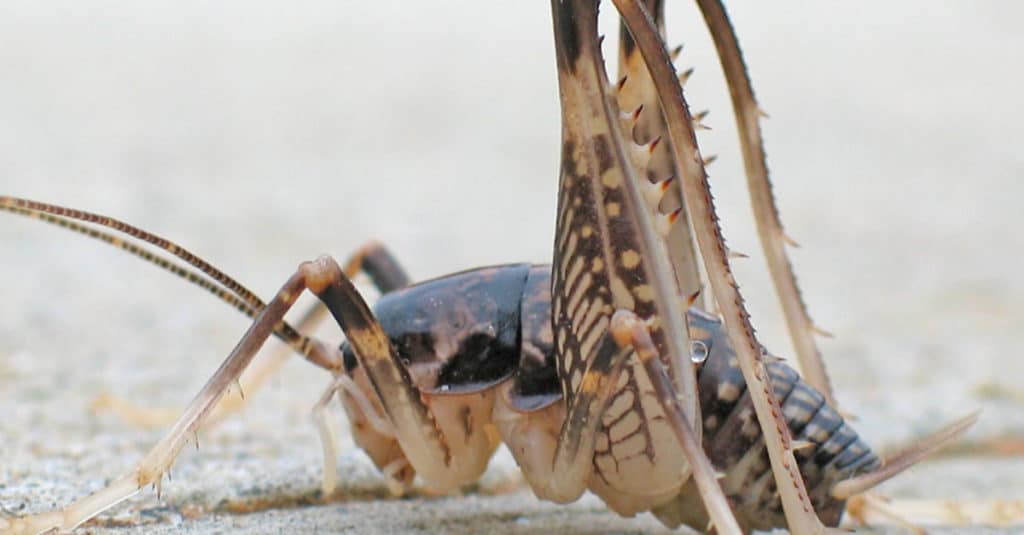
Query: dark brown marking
point(466, 417)
point(567, 38)
point(603, 152)
point(657, 10)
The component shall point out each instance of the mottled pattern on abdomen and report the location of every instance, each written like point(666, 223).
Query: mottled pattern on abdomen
point(733, 440)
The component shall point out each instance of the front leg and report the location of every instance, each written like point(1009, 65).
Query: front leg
point(422, 439)
point(441, 434)
point(312, 275)
point(373, 259)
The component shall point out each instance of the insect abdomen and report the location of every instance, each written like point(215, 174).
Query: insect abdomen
point(732, 438)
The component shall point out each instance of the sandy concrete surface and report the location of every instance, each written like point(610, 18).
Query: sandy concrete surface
point(261, 135)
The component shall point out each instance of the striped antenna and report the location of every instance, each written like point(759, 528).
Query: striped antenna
point(205, 276)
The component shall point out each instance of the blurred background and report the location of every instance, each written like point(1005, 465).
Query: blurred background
point(260, 135)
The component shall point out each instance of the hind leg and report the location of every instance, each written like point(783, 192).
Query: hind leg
point(633, 331)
